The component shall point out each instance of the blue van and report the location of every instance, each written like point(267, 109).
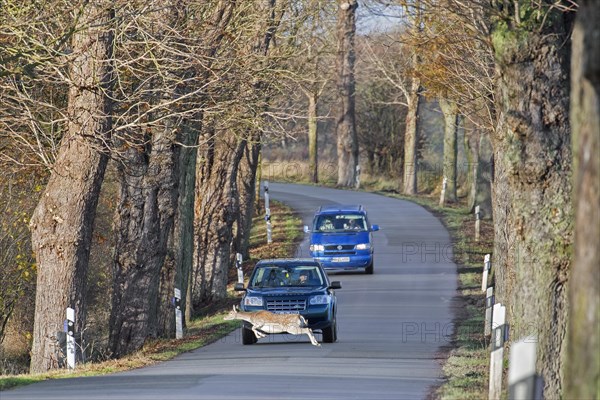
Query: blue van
point(341, 238)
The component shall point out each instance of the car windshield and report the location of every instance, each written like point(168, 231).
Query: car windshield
point(340, 223)
point(287, 276)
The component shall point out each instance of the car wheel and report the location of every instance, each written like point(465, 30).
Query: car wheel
point(369, 269)
point(248, 337)
point(330, 333)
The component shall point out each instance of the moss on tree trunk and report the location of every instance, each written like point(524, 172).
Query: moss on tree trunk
point(532, 186)
point(582, 375)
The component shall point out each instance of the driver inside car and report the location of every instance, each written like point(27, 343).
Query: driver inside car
point(352, 225)
point(274, 280)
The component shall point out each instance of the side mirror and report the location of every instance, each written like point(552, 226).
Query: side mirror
point(306, 230)
point(239, 287)
point(335, 285)
point(374, 228)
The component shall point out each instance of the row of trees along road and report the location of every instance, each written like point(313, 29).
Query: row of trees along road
point(510, 70)
point(176, 99)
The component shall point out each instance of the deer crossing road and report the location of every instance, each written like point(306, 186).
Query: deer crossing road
point(391, 327)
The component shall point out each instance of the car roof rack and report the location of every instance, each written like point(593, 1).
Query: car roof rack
point(340, 207)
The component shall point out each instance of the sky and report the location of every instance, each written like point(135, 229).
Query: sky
point(373, 18)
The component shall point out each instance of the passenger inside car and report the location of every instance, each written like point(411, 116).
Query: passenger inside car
point(326, 225)
point(274, 279)
point(352, 225)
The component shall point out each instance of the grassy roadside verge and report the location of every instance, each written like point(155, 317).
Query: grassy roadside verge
point(203, 330)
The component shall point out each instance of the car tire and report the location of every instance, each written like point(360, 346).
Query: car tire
point(248, 336)
point(369, 269)
point(330, 333)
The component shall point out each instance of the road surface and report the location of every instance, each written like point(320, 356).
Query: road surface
point(391, 326)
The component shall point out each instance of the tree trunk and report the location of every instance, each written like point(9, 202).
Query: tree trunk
point(471, 145)
point(218, 198)
point(478, 150)
point(313, 159)
point(63, 219)
point(181, 247)
point(411, 139)
point(582, 372)
point(258, 181)
point(412, 115)
point(347, 140)
point(483, 171)
point(180, 255)
point(218, 206)
point(205, 160)
point(247, 191)
point(451, 124)
point(165, 319)
point(532, 196)
point(143, 224)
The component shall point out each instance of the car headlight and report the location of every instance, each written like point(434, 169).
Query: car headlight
point(317, 247)
point(363, 246)
point(253, 301)
point(320, 299)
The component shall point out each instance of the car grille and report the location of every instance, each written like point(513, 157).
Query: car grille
point(339, 250)
point(286, 305)
point(340, 253)
point(335, 247)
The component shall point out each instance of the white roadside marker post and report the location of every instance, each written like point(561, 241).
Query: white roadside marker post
point(487, 264)
point(178, 315)
point(357, 177)
point(489, 304)
point(238, 265)
point(268, 214)
point(477, 223)
point(71, 345)
point(443, 194)
point(523, 382)
point(497, 355)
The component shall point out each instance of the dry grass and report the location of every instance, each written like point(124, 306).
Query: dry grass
point(297, 171)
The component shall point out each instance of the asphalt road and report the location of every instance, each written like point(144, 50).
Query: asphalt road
point(392, 327)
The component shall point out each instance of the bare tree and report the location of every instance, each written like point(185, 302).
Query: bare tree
point(314, 74)
point(62, 222)
point(238, 128)
point(402, 71)
point(381, 105)
point(347, 141)
point(156, 161)
point(176, 272)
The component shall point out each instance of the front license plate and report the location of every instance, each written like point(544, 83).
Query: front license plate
point(340, 259)
point(286, 312)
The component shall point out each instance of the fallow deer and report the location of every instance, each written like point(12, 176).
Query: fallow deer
point(264, 322)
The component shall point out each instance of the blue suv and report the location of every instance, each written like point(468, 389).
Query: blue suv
point(341, 238)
